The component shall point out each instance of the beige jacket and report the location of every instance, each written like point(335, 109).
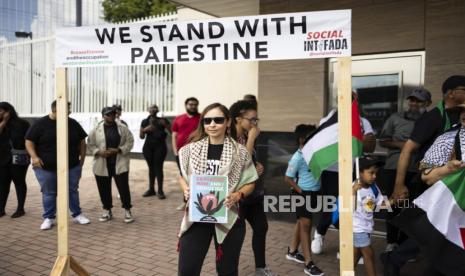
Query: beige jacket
point(96, 142)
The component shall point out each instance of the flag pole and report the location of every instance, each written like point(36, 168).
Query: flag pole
point(344, 96)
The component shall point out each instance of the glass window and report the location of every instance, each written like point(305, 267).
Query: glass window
point(377, 97)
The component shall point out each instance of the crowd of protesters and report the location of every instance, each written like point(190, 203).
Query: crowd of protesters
point(423, 147)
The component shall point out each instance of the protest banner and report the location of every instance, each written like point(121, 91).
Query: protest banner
point(264, 37)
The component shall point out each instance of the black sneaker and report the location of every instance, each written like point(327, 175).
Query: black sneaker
point(149, 192)
point(390, 269)
point(161, 195)
point(18, 213)
point(295, 256)
point(313, 270)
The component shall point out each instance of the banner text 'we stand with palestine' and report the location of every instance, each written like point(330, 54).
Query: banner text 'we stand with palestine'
point(264, 37)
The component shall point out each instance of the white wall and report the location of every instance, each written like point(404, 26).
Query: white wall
point(213, 82)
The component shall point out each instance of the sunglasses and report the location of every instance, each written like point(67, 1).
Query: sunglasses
point(217, 120)
point(253, 120)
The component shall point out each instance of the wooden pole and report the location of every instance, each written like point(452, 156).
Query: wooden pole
point(344, 95)
point(64, 261)
point(62, 165)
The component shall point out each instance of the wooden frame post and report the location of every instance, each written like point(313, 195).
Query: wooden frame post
point(64, 261)
point(344, 96)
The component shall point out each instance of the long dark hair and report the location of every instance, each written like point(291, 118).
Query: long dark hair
point(200, 133)
point(9, 108)
point(238, 109)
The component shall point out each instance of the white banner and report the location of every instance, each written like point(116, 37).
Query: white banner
point(265, 37)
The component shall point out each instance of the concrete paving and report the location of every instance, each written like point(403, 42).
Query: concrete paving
point(145, 247)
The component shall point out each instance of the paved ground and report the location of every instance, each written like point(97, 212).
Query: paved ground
point(146, 247)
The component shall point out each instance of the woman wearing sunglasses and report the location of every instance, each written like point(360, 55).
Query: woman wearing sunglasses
point(245, 123)
point(212, 151)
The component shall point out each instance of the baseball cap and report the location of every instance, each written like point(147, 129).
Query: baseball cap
point(117, 107)
point(107, 110)
point(453, 82)
point(368, 162)
point(421, 94)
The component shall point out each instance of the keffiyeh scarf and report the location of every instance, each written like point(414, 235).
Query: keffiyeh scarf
point(235, 163)
point(442, 149)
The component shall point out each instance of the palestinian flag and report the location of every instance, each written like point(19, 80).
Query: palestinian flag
point(321, 149)
point(438, 223)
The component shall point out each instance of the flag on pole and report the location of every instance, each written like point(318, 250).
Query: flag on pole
point(321, 149)
point(438, 223)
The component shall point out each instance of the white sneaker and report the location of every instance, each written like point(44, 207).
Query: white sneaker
point(390, 247)
point(317, 243)
point(47, 224)
point(106, 216)
point(128, 218)
point(265, 271)
point(181, 207)
point(81, 219)
point(360, 261)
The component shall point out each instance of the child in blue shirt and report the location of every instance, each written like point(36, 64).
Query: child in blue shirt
point(299, 177)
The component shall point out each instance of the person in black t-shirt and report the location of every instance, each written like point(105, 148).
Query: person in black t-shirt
point(110, 143)
point(427, 128)
point(14, 160)
point(153, 129)
point(41, 144)
point(245, 121)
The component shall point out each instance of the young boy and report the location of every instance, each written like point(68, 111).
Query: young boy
point(307, 188)
point(367, 198)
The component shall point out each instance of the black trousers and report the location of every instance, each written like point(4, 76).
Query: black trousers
point(17, 174)
point(386, 180)
point(256, 217)
point(155, 154)
point(122, 184)
point(329, 187)
point(194, 244)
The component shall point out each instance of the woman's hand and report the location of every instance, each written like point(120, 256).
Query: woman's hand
point(103, 153)
point(253, 133)
point(148, 129)
point(232, 199)
point(37, 162)
point(454, 165)
point(186, 193)
point(260, 169)
point(113, 151)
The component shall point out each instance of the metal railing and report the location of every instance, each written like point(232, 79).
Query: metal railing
point(27, 80)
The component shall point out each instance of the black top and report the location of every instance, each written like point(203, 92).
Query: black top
point(112, 140)
point(428, 127)
point(12, 135)
point(43, 133)
point(213, 159)
point(158, 135)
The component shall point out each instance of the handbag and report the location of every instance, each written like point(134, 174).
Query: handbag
point(19, 157)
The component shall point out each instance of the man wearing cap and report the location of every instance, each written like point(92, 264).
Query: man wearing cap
point(110, 143)
point(395, 133)
point(427, 128)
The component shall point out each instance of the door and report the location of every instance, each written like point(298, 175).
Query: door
point(382, 83)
